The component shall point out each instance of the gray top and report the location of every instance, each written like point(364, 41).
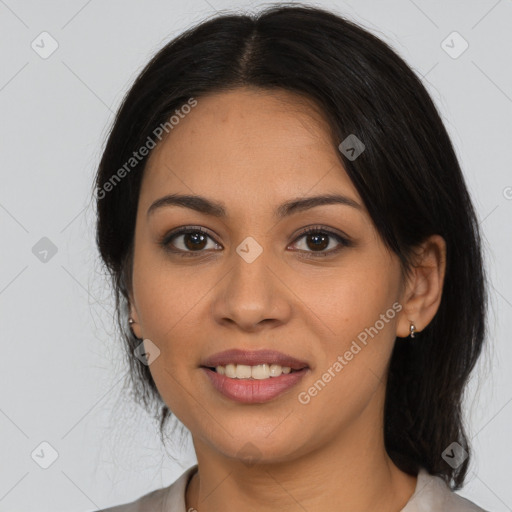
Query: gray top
point(431, 495)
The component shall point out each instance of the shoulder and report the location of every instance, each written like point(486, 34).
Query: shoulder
point(432, 494)
point(170, 498)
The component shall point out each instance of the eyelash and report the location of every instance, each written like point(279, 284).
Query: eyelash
point(165, 242)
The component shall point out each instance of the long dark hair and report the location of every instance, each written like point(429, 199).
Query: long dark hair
point(408, 177)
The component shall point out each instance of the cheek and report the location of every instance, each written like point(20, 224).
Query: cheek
point(347, 300)
point(358, 313)
point(169, 306)
point(166, 298)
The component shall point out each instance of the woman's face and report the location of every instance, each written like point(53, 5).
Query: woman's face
point(255, 282)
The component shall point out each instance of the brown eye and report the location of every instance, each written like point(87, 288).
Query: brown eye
point(317, 240)
point(188, 240)
point(194, 241)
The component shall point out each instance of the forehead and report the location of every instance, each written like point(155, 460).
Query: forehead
point(250, 145)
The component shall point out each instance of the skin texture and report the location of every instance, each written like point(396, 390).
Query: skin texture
point(252, 150)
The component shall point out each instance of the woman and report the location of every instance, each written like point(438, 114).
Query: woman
point(298, 268)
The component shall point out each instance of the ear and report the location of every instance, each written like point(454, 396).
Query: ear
point(135, 316)
point(424, 287)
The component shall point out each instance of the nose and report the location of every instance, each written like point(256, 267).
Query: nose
point(252, 296)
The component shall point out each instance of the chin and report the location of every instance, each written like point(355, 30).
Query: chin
point(250, 447)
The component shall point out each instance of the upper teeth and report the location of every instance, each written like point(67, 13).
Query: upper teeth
point(260, 371)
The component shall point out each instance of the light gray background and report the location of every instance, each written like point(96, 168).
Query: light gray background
point(61, 368)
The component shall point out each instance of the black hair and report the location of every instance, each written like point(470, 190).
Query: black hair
point(408, 177)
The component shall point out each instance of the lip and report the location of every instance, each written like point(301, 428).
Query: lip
point(254, 391)
point(253, 358)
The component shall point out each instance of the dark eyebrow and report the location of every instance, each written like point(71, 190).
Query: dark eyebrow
point(208, 207)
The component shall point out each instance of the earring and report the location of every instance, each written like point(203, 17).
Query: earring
point(131, 321)
point(412, 330)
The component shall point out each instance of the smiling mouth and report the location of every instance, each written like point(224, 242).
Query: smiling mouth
point(253, 376)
